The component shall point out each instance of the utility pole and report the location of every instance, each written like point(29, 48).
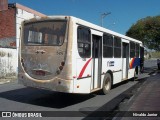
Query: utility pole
point(103, 16)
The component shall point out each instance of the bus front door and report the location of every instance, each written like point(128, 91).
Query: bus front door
point(125, 60)
point(97, 61)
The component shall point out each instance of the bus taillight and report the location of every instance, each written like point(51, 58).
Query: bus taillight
point(60, 68)
point(62, 63)
point(22, 61)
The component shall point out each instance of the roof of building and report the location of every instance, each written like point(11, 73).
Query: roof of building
point(26, 9)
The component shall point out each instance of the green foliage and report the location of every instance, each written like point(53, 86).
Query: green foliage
point(155, 54)
point(147, 30)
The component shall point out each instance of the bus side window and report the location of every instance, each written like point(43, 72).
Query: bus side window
point(117, 47)
point(137, 50)
point(107, 46)
point(84, 42)
point(132, 49)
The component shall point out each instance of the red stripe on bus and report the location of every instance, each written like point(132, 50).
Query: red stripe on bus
point(131, 63)
point(84, 68)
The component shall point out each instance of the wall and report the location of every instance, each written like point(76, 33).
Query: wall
point(10, 23)
point(8, 63)
point(3, 5)
point(7, 28)
point(8, 43)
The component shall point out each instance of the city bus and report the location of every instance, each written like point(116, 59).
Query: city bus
point(70, 55)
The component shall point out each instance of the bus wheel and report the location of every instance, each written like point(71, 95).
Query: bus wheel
point(107, 82)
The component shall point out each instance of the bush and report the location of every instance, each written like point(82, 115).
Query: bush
point(155, 54)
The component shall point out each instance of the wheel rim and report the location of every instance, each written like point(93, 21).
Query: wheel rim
point(107, 84)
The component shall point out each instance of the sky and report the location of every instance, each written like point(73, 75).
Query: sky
point(124, 13)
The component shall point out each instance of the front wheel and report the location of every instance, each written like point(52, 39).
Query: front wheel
point(107, 82)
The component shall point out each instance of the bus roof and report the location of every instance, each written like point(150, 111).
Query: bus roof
point(102, 29)
point(87, 24)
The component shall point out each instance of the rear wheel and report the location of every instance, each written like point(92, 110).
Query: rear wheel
point(107, 82)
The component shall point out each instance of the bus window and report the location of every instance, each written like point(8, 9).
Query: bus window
point(132, 49)
point(117, 47)
point(45, 33)
point(84, 42)
point(107, 46)
point(137, 50)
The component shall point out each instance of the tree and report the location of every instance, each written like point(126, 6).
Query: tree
point(147, 30)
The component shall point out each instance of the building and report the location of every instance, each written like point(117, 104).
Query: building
point(11, 16)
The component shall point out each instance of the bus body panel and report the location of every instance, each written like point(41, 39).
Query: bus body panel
point(47, 67)
point(112, 64)
point(131, 73)
point(82, 85)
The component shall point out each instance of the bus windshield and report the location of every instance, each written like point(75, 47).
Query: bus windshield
point(45, 33)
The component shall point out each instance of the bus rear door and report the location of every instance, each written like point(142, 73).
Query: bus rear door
point(96, 60)
point(125, 59)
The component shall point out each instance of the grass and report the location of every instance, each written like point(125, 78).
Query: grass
point(155, 54)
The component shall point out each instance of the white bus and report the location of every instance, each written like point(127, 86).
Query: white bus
point(67, 54)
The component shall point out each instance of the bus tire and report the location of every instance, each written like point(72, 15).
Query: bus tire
point(107, 82)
